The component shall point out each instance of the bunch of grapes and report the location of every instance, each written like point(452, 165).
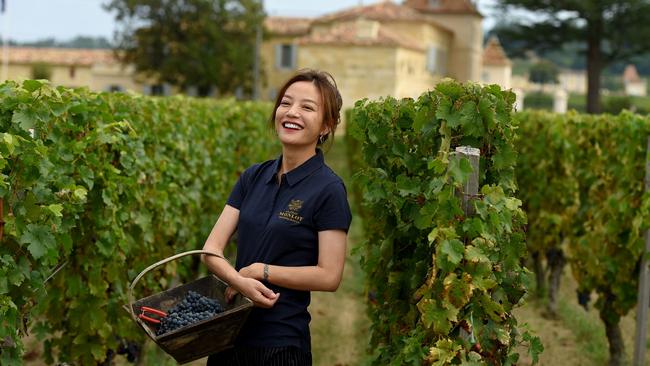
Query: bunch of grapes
point(193, 308)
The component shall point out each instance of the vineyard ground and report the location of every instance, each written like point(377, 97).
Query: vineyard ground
point(575, 336)
point(340, 325)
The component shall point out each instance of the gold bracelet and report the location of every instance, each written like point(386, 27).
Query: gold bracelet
point(266, 272)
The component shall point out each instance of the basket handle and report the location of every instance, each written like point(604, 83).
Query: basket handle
point(159, 263)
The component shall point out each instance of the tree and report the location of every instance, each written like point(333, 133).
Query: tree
point(207, 44)
point(86, 42)
point(608, 30)
point(543, 72)
point(41, 70)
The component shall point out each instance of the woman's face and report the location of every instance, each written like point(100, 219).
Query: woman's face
point(299, 117)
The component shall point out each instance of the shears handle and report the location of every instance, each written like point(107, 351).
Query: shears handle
point(146, 309)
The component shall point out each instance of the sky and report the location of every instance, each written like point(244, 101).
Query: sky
point(31, 20)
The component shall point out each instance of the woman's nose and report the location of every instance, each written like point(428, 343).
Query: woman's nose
point(293, 111)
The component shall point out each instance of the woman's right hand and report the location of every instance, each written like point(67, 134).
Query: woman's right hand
point(253, 289)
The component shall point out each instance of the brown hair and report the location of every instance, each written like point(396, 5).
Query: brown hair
point(326, 85)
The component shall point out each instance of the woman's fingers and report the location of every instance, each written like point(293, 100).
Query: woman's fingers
point(267, 292)
point(230, 294)
point(261, 295)
point(264, 297)
point(265, 302)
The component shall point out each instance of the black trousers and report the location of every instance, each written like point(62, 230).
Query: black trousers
point(253, 356)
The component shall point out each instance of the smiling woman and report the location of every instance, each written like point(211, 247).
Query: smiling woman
point(292, 217)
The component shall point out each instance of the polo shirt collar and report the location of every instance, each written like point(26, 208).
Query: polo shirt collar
point(301, 172)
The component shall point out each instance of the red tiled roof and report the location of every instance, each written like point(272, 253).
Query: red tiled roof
point(630, 74)
point(287, 26)
point(59, 56)
point(444, 6)
point(493, 53)
point(347, 34)
point(381, 11)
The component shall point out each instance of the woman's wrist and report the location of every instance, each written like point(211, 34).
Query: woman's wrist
point(265, 272)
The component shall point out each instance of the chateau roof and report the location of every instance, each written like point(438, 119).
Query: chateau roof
point(347, 33)
point(60, 56)
point(287, 26)
point(381, 11)
point(630, 74)
point(444, 6)
point(493, 53)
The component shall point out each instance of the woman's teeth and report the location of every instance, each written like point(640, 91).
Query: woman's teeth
point(292, 126)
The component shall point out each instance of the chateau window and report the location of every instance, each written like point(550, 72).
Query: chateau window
point(434, 3)
point(157, 89)
point(285, 56)
point(437, 61)
point(115, 88)
point(72, 71)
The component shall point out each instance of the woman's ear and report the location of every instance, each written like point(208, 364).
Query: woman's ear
point(325, 130)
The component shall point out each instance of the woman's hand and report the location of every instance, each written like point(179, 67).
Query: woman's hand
point(255, 290)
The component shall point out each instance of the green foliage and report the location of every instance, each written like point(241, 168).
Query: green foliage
point(444, 284)
point(107, 184)
point(355, 163)
point(582, 186)
point(613, 83)
point(640, 105)
point(617, 103)
point(543, 72)
point(194, 43)
point(41, 70)
point(538, 100)
point(76, 42)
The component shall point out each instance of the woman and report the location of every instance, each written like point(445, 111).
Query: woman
point(292, 217)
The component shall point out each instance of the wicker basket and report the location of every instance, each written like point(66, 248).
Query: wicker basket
point(200, 339)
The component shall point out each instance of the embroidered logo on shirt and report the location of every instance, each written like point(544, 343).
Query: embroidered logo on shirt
point(292, 213)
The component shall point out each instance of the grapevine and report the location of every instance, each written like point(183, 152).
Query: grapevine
point(100, 185)
point(444, 283)
point(593, 168)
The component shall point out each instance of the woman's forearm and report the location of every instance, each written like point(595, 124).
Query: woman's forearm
point(216, 242)
point(325, 276)
point(222, 268)
point(305, 278)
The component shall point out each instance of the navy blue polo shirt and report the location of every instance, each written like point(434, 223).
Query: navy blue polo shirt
point(279, 225)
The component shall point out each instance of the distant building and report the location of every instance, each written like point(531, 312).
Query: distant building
point(378, 50)
point(383, 49)
point(633, 83)
point(497, 67)
point(98, 70)
point(571, 81)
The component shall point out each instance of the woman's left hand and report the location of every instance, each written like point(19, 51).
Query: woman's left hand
point(255, 271)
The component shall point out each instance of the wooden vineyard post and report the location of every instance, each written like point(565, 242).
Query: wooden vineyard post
point(644, 288)
point(470, 189)
point(468, 193)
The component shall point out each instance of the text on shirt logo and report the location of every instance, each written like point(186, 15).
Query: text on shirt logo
point(292, 212)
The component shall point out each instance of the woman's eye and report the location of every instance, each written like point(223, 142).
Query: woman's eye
point(284, 103)
point(309, 108)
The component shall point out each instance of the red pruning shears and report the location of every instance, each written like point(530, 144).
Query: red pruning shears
point(157, 312)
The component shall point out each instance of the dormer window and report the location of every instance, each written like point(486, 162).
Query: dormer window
point(285, 56)
point(436, 61)
point(367, 29)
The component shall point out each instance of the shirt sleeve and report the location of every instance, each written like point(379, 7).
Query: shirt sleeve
point(239, 190)
point(334, 211)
